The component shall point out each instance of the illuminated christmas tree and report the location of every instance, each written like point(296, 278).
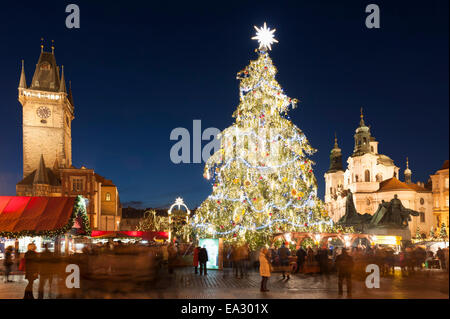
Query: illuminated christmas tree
point(263, 182)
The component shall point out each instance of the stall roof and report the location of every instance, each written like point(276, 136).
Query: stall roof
point(23, 215)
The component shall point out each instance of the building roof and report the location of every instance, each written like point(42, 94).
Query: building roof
point(52, 179)
point(46, 72)
point(445, 165)
point(104, 181)
point(393, 183)
point(21, 214)
point(385, 160)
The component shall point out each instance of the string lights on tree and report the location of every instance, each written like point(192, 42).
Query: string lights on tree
point(262, 178)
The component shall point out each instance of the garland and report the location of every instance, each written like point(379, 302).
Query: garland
point(79, 210)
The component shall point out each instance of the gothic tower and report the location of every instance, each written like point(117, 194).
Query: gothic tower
point(47, 114)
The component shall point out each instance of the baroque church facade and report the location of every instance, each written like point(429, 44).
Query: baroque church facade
point(47, 115)
point(373, 177)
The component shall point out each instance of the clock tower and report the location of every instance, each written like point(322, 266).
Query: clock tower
point(47, 114)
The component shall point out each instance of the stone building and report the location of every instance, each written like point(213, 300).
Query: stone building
point(48, 111)
point(373, 177)
point(439, 183)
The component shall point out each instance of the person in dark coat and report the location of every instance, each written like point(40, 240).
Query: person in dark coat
point(202, 259)
point(323, 262)
point(283, 254)
point(440, 254)
point(301, 255)
point(7, 262)
point(31, 270)
point(46, 269)
point(344, 264)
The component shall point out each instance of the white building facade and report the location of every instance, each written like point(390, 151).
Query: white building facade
point(373, 177)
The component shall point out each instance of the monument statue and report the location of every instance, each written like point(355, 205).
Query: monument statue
point(392, 214)
point(351, 216)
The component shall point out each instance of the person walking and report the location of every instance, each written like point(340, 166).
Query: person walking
point(264, 268)
point(7, 262)
point(202, 259)
point(31, 269)
point(344, 264)
point(283, 254)
point(301, 255)
point(46, 269)
point(195, 259)
point(440, 254)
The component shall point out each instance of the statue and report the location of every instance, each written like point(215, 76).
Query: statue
point(392, 214)
point(351, 216)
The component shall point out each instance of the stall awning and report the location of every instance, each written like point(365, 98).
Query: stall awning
point(36, 216)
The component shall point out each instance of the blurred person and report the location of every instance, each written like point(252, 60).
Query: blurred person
point(172, 256)
point(323, 262)
point(195, 259)
point(46, 270)
point(31, 269)
point(235, 260)
point(202, 259)
point(301, 255)
point(344, 264)
point(440, 254)
point(244, 253)
point(8, 262)
point(283, 254)
point(264, 268)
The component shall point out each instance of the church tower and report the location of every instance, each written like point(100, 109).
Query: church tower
point(47, 114)
point(334, 180)
point(362, 138)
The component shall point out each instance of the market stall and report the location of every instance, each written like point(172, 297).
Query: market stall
point(52, 220)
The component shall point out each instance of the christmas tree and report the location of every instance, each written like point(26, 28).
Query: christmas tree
point(263, 182)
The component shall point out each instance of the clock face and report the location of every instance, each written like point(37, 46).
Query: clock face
point(43, 112)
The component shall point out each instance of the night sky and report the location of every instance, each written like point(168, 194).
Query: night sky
point(139, 70)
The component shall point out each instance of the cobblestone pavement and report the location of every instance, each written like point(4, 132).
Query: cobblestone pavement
point(184, 284)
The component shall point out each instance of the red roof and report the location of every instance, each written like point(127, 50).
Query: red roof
point(35, 214)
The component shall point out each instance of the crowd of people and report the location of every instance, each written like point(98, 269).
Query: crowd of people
point(106, 260)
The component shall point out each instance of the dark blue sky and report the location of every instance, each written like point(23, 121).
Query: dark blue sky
point(139, 70)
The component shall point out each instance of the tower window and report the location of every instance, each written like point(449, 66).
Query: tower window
point(364, 141)
point(367, 175)
point(379, 178)
point(422, 201)
point(371, 149)
point(108, 196)
point(395, 174)
point(356, 178)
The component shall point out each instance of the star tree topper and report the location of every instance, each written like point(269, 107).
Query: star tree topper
point(265, 37)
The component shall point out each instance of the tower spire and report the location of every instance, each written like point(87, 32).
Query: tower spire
point(42, 45)
point(53, 46)
point(407, 173)
point(23, 81)
point(361, 122)
point(62, 85)
point(335, 141)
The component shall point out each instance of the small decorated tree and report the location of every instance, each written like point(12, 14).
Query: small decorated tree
point(418, 235)
point(432, 233)
point(443, 232)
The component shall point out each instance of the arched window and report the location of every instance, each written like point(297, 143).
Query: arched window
point(364, 141)
point(331, 190)
point(108, 196)
point(367, 175)
point(356, 178)
point(379, 177)
point(371, 149)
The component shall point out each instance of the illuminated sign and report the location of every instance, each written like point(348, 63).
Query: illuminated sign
point(387, 240)
point(212, 247)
